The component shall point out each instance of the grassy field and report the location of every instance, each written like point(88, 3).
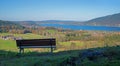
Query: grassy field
point(68, 53)
point(25, 36)
point(65, 40)
point(110, 57)
point(8, 45)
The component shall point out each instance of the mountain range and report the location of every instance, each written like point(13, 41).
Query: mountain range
point(109, 20)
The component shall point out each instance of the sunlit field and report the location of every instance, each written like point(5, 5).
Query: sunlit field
point(70, 45)
point(69, 40)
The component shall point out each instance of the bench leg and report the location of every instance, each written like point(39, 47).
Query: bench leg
point(21, 50)
point(51, 50)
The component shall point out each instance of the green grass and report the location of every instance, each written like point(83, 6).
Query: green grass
point(51, 31)
point(9, 45)
point(108, 40)
point(111, 58)
point(25, 36)
point(9, 55)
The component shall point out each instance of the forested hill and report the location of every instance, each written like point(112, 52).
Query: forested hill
point(110, 20)
point(27, 23)
point(9, 24)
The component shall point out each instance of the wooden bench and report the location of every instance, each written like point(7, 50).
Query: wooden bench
point(36, 43)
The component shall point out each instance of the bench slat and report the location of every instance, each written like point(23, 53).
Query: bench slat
point(38, 46)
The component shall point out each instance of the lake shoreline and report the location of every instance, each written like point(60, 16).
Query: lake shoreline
point(81, 27)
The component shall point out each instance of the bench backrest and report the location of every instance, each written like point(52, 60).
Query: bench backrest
point(36, 42)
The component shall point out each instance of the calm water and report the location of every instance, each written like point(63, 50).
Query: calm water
point(76, 27)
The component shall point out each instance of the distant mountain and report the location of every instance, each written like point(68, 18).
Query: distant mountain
point(110, 20)
point(37, 23)
point(57, 22)
point(9, 23)
point(27, 23)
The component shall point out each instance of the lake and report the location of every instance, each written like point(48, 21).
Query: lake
point(76, 27)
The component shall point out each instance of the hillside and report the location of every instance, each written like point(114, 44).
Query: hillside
point(89, 57)
point(37, 23)
point(8, 25)
point(110, 20)
point(74, 48)
point(26, 23)
point(69, 22)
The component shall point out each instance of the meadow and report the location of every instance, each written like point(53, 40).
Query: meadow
point(71, 46)
point(67, 40)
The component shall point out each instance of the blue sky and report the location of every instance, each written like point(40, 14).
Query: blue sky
point(79, 10)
